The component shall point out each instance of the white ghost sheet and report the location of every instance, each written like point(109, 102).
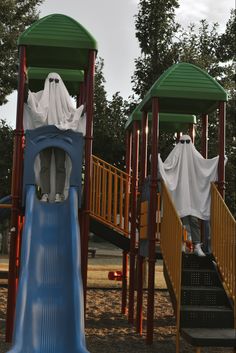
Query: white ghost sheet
point(53, 106)
point(188, 177)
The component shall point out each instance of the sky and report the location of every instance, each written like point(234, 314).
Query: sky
point(111, 22)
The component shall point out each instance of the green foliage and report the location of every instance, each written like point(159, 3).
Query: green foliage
point(227, 49)
point(6, 151)
point(15, 16)
point(109, 122)
point(155, 29)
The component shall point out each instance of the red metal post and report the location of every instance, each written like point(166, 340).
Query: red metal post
point(204, 135)
point(178, 136)
point(221, 166)
point(128, 143)
point(192, 132)
point(152, 220)
point(88, 169)
point(143, 175)
point(81, 98)
point(16, 198)
point(134, 192)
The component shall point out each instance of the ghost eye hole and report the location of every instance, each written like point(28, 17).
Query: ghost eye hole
point(53, 79)
point(183, 141)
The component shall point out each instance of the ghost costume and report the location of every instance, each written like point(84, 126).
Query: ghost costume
point(53, 106)
point(188, 177)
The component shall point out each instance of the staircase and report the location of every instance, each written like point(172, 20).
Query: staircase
point(111, 235)
point(206, 313)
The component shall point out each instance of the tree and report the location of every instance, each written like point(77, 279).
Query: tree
point(116, 122)
point(109, 121)
point(228, 39)
point(155, 29)
point(6, 148)
point(15, 16)
point(100, 111)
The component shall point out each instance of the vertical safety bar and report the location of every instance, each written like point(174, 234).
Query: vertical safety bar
point(16, 196)
point(134, 192)
point(143, 175)
point(152, 220)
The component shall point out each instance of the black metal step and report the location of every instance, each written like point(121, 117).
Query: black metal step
point(192, 261)
point(206, 317)
point(200, 277)
point(204, 337)
point(207, 296)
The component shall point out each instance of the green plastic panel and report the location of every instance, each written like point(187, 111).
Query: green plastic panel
point(71, 78)
point(57, 41)
point(185, 88)
point(168, 122)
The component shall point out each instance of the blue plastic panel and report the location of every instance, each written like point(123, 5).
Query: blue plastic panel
point(49, 136)
point(49, 310)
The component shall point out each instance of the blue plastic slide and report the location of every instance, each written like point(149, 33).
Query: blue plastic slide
point(49, 309)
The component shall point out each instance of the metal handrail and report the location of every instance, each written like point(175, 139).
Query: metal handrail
point(110, 195)
point(5, 205)
point(172, 233)
point(223, 241)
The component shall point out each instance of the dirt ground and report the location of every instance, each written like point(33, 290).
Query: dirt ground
point(107, 330)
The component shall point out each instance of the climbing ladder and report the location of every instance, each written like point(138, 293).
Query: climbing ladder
point(203, 291)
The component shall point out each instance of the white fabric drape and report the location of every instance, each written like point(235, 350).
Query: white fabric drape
point(53, 106)
point(188, 177)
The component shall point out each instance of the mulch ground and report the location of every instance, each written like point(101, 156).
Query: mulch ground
point(108, 331)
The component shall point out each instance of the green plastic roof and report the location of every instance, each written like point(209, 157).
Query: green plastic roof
point(186, 89)
point(71, 78)
point(167, 122)
point(57, 41)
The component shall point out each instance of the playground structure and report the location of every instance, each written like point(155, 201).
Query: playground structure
point(110, 206)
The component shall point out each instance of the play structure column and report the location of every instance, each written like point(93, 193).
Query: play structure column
point(143, 175)
point(152, 220)
point(16, 197)
point(134, 192)
point(88, 168)
point(221, 169)
point(204, 147)
point(128, 143)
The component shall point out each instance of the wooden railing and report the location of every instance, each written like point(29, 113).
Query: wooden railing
point(110, 195)
point(171, 246)
point(223, 239)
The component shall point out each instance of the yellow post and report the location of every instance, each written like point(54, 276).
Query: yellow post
point(109, 209)
point(121, 201)
point(115, 197)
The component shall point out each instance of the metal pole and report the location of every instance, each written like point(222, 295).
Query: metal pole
point(143, 175)
point(134, 192)
point(88, 168)
point(221, 166)
point(16, 197)
point(192, 132)
point(204, 135)
point(152, 220)
point(128, 143)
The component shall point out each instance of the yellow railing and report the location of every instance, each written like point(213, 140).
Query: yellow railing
point(223, 238)
point(171, 246)
point(110, 195)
